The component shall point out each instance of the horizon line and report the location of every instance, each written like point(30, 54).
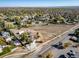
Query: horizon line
point(37, 6)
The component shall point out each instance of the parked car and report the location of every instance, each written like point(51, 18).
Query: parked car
point(71, 54)
point(58, 46)
point(62, 56)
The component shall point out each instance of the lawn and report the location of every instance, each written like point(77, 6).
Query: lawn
point(7, 50)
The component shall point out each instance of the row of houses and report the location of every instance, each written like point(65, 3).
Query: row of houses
point(8, 38)
point(31, 37)
point(34, 19)
point(46, 18)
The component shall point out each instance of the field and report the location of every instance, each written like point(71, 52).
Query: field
point(52, 30)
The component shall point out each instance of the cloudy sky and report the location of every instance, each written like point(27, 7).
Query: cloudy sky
point(38, 3)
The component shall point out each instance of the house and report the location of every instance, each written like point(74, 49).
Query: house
point(17, 43)
point(24, 21)
point(8, 39)
point(5, 17)
point(1, 49)
point(20, 32)
point(31, 46)
point(6, 36)
point(26, 17)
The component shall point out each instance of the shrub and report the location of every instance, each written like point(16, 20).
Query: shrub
point(66, 44)
point(49, 54)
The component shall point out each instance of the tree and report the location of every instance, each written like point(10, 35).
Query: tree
point(17, 19)
point(37, 35)
point(77, 32)
point(67, 44)
point(25, 37)
point(58, 19)
point(2, 42)
point(1, 22)
point(61, 19)
point(49, 54)
point(9, 25)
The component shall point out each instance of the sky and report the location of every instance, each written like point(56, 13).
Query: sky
point(38, 3)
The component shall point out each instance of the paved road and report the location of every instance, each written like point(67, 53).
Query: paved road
point(47, 44)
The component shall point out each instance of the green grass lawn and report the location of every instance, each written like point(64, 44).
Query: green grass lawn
point(7, 50)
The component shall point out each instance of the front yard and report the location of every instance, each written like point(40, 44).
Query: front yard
point(7, 50)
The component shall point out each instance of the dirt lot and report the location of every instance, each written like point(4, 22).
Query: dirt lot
point(52, 30)
point(47, 32)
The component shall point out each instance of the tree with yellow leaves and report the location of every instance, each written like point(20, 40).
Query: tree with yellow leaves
point(2, 41)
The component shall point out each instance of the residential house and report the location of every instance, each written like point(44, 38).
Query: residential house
point(20, 32)
point(25, 20)
point(6, 36)
point(31, 46)
point(17, 43)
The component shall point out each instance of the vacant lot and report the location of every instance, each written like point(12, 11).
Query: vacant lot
point(52, 30)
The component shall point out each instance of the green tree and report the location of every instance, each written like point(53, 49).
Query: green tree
point(1, 22)
point(58, 19)
point(77, 32)
point(2, 42)
point(9, 25)
point(25, 37)
point(18, 21)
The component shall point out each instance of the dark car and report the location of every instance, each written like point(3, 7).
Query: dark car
point(71, 54)
point(62, 56)
point(58, 46)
